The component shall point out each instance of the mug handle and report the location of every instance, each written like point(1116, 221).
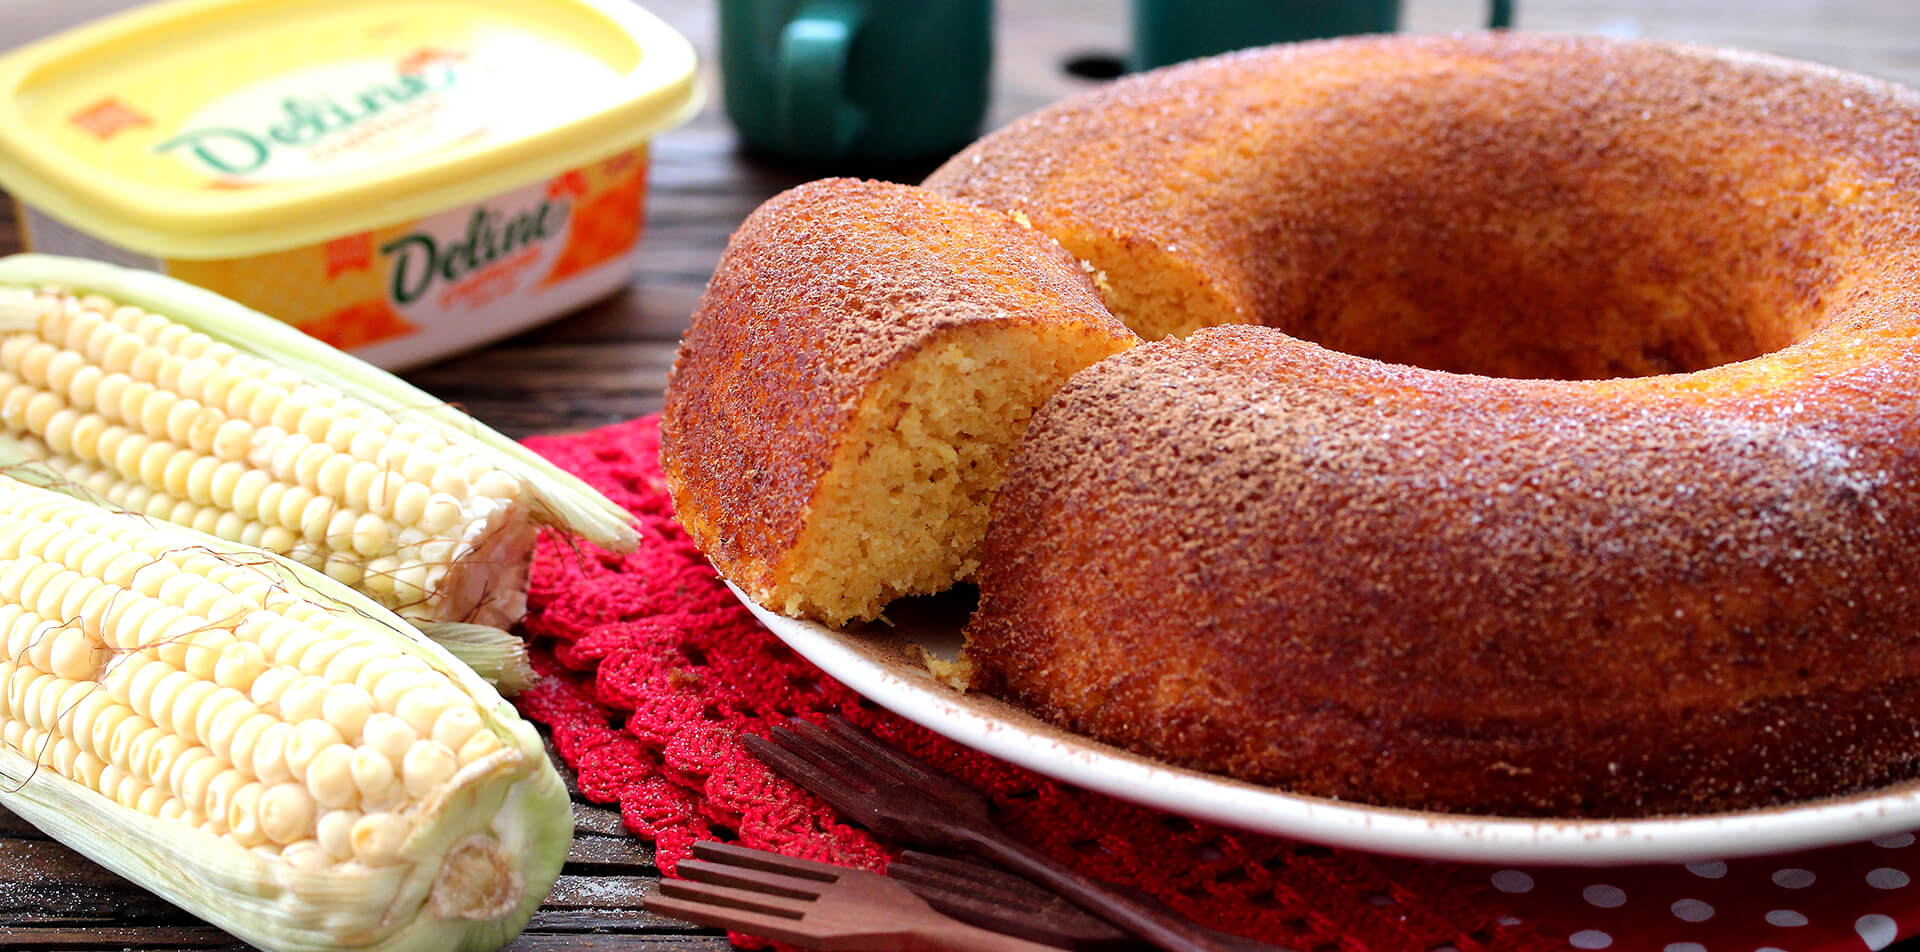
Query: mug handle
point(1500, 14)
point(816, 120)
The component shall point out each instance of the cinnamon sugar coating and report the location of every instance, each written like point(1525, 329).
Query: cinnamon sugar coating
point(1690, 591)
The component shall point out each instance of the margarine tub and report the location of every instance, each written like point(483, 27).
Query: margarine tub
point(401, 178)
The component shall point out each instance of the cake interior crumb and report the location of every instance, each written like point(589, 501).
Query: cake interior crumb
point(905, 501)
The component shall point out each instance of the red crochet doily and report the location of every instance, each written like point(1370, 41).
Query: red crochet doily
point(651, 669)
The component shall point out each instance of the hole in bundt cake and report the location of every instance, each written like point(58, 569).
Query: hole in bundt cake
point(1530, 275)
point(1484, 268)
point(1588, 238)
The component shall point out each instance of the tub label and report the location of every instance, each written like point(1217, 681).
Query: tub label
point(330, 119)
point(396, 294)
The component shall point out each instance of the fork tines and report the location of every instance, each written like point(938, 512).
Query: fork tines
point(843, 772)
point(815, 905)
point(845, 751)
point(802, 748)
point(754, 894)
point(869, 781)
point(852, 738)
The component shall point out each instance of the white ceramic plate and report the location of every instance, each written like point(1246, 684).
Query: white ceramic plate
point(884, 665)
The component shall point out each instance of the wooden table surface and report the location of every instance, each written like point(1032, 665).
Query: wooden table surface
point(608, 363)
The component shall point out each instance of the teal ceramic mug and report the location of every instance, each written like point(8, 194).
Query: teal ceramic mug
point(867, 80)
point(1168, 31)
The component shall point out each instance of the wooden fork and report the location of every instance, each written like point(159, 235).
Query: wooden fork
point(992, 898)
point(898, 796)
point(815, 905)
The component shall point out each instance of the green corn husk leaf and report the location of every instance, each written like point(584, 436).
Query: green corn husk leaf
point(559, 499)
point(484, 853)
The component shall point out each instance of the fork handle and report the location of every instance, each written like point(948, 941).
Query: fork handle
point(955, 936)
point(1164, 931)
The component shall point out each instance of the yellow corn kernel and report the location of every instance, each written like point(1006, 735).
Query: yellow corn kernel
point(334, 830)
point(378, 838)
point(375, 778)
point(389, 735)
point(330, 777)
point(426, 766)
point(306, 742)
point(286, 812)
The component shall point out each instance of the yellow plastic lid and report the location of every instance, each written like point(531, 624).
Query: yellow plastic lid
point(229, 128)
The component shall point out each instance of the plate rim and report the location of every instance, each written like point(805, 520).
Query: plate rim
point(1450, 837)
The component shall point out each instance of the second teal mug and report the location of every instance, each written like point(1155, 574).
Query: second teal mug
point(856, 80)
point(1168, 31)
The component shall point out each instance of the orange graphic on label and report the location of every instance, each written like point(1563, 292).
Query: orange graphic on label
point(107, 118)
point(490, 284)
point(604, 226)
point(607, 223)
point(358, 325)
point(349, 253)
point(570, 185)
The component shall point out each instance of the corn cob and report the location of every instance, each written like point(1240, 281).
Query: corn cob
point(257, 743)
point(164, 399)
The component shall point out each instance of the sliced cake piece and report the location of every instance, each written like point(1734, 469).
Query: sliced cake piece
point(841, 409)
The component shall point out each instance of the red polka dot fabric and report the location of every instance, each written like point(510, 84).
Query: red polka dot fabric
point(1856, 897)
point(651, 671)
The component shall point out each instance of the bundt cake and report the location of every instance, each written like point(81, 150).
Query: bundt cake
point(844, 400)
point(1596, 492)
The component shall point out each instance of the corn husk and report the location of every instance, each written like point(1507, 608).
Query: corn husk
point(485, 850)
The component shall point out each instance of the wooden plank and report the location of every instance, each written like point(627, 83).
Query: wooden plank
point(609, 920)
point(45, 884)
point(12, 826)
point(580, 933)
point(542, 942)
point(78, 907)
point(45, 862)
point(589, 818)
point(606, 367)
point(105, 938)
point(601, 892)
point(619, 855)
